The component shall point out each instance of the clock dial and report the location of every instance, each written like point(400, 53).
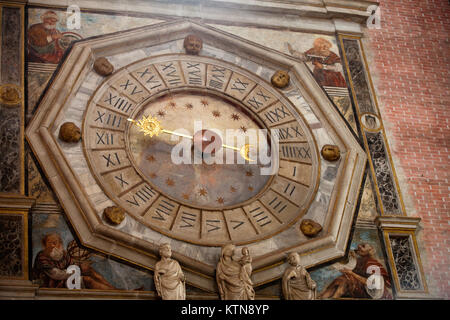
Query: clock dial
point(187, 187)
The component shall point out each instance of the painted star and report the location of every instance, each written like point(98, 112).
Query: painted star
point(170, 182)
point(233, 189)
point(249, 173)
point(244, 129)
point(203, 192)
point(161, 113)
point(220, 200)
point(153, 175)
point(172, 104)
point(189, 106)
point(204, 102)
point(151, 158)
point(235, 116)
point(216, 114)
point(185, 196)
point(250, 188)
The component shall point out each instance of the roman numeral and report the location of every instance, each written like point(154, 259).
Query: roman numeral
point(212, 224)
point(277, 204)
point(109, 119)
point(283, 133)
point(261, 94)
point(286, 191)
point(188, 219)
point(288, 132)
point(114, 161)
point(217, 77)
point(254, 103)
point(126, 84)
point(152, 79)
point(164, 208)
point(143, 73)
point(144, 194)
point(195, 77)
point(239, 85)
point(121, 180)
point(260, 216)
point(296, 152)
point(173, 77)
point(119, 103)
point(100, 116)
point(105, 138)
point(277, 114)
point(237, 224)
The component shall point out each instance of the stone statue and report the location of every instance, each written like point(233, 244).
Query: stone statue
point(233, 277)
point(169, 278)
point(297, 283)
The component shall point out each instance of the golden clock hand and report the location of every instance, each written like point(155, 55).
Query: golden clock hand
point(152, 127)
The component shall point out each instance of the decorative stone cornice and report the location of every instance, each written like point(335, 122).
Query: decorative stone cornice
point(398, 222)
point(325, 16)
point(16, 202)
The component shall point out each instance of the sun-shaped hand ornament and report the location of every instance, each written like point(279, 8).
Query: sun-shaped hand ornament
point(150, 126)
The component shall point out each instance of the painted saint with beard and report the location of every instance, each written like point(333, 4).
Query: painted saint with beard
point(43, 44)
point(51, 263)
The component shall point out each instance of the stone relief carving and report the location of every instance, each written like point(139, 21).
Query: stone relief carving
point(69, 132)
point(103, 67)
point(310, 228)
point(193, 44)
point(297, 283)
point(169, 278)
point(233, 277)
point(280, 79)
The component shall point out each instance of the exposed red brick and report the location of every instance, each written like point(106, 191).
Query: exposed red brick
point(411, 65)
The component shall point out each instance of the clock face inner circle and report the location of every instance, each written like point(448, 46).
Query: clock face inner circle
point(194, 173)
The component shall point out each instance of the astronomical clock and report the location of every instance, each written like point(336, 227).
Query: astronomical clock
point(197, 138)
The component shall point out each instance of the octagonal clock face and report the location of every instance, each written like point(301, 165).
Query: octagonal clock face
point(214, 200)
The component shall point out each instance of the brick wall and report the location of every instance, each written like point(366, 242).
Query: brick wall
point(409, 59)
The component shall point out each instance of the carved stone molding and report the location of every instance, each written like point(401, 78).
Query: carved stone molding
point(403, 256)
point(326, 16)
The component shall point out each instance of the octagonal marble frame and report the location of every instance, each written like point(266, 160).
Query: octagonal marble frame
point(94, 233)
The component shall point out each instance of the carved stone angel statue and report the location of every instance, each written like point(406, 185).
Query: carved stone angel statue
point(297, 283)
point(233, 277)
point(169, 278)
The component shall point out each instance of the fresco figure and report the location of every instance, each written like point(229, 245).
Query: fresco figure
point(297, 283)
point(325, 62)
point(43, 40)
point(169, 278)
point(233, 277)
point(51, 263)
point(353, 283)
point(46, 44)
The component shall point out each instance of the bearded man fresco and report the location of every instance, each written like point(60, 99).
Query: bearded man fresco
point(51, 263)
point(43, 45)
